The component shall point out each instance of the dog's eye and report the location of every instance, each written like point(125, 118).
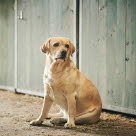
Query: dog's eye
point(56, 44)
point(67, 46)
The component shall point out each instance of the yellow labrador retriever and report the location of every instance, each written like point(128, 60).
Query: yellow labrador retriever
point(66, 86)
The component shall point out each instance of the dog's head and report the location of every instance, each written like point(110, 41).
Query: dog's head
point(58, 48)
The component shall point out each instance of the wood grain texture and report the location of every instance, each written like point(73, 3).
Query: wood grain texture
point(41, 19)
point(32, 33)
point(89, 32)
point(101, 52)
point(130, 97)
point(7, 43)
point(107, 38)
point(115, 52)
point(107, 47)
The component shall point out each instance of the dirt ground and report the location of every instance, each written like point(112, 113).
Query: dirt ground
point(16, 110)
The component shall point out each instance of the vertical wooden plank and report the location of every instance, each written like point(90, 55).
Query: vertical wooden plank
point(115, 52)
point(41, 20)
point(121, 39)
point(101, 52)
point(89, 34)
point(32, 33)
point(111, 51)
point(130, 98)
point(102, 48)
point(15, 45)
point(61, 15)
point(80, 33)
point(62, 19)
point(7, 43)
point(76, 28)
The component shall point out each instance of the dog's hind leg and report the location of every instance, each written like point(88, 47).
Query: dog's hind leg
point(88, 117)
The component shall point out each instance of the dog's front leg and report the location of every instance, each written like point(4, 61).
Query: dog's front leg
point(71, 101)
point(46, 107)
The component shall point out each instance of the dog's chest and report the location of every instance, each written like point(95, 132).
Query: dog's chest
point(56, 94)
point(56, 90)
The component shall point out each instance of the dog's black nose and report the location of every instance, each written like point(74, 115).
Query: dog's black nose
point(63, 53)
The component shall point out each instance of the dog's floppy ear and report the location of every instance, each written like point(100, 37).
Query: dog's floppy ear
point(45, 47)
point(72, 47)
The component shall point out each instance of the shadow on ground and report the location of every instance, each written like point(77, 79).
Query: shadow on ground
point(17, 110)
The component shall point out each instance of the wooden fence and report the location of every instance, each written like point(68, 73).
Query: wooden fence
point(104, 31)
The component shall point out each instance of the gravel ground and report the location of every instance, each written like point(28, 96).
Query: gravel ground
point(16, 110)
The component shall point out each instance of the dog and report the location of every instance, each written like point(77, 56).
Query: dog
point(66, 86)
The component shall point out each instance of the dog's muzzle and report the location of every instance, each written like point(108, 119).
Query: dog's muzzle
point(62, 56)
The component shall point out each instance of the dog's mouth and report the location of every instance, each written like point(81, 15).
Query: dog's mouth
point(62, 55)
point(62, 58)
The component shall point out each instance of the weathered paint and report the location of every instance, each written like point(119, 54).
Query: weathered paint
point(41, 19)
point(7, 43)
point(130, 93)
point(115, 52)
point(105, 27)
point(107, 45)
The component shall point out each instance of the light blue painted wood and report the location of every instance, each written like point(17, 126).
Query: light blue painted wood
point(89, 33)
point(41, 20)
point(101, 52)
point(61, 18)
point(105, 27)
point(7, 43)
point(107, 45)
point(130, 96)
point(32, 32)
point(115, 52)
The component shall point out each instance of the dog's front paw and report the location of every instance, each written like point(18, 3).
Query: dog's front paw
point(69, 125)
point(36, 122)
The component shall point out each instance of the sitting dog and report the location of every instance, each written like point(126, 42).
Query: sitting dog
point(66, 86)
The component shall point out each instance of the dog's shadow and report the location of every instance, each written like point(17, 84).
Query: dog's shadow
point(80, 128)
point(49, 125)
